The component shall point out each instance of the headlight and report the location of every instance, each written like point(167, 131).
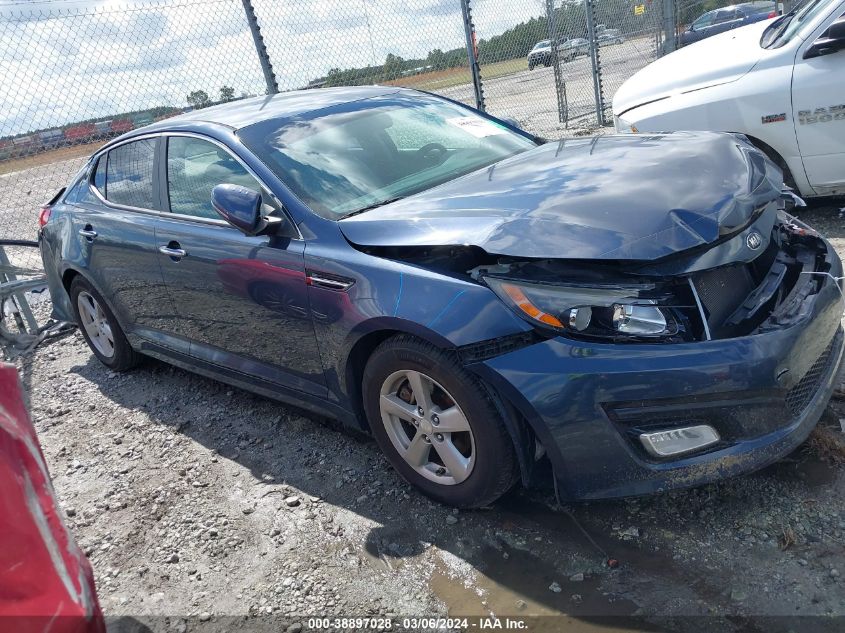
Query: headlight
point(624, 127)
point(608, 311)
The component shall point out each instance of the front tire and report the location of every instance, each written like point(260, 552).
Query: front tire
point(100, 328)
point(437, 424)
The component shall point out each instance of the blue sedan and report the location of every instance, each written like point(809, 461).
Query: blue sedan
point(726, 19)
point(639, 312)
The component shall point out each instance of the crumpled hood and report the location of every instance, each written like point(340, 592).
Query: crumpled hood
point(630, 197)
point(713, 61)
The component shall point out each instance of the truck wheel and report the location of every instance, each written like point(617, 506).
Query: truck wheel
point(437, 425)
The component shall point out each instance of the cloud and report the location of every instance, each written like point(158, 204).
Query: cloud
point(67, 61)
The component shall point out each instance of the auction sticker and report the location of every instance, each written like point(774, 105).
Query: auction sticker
point(476, 126)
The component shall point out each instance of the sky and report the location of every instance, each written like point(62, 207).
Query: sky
point(69, 60)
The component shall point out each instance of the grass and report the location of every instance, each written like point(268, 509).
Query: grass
point(439, 79)
point(828, 443)
point(49, 156)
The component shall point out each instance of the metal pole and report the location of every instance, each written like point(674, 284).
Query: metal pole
point(19, 299)
point(472, 54)
point(261, 49)
point(595, 61)
point(669, 43)
point(560, 86)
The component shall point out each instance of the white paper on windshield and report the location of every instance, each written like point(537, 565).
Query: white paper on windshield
point(476, 127)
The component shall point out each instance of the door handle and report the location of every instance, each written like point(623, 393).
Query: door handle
point(172, 252)
point(88, 233)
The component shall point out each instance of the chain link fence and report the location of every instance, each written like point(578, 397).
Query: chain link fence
point(76, 74)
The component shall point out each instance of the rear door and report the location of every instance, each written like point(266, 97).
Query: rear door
point(725, 20)
point(242, 300)
point(818, 99)
point(115, 213)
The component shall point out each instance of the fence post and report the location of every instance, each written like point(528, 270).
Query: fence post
point(669, 33)
point(560, 86)
point(595, 61)
point(472, 54)
point(260, 48)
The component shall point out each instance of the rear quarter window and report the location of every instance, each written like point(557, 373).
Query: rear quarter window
point(100, 175)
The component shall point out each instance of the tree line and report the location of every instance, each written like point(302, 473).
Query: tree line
point(568, 20)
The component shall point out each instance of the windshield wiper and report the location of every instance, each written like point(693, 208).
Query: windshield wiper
point(381, 203)
point(774, 31)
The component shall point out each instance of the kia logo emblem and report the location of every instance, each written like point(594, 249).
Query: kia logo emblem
point(754, 240)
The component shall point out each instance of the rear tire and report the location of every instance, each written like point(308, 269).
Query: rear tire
point(100, 328)
point(450, 442)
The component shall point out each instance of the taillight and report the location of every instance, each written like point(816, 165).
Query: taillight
point(44, 216)
point(773, 14)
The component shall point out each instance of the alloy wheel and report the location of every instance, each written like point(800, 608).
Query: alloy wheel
point(427, 427)
point(96, 324)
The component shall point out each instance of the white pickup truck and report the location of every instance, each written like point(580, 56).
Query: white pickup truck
point(780, 82)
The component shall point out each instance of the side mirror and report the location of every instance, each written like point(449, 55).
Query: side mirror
point(241, 207)
point(831, 41)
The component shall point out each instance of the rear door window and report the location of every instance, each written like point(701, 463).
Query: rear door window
point(129, 174)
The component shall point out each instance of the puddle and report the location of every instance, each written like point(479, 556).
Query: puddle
point(517, 585)
point(579, 607)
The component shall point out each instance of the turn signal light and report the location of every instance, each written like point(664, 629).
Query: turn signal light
point(524, 303)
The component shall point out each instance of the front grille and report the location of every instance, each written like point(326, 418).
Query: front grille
point(799, 397)
point(722, 291)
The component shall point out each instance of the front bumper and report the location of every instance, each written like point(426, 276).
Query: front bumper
point(587, 403)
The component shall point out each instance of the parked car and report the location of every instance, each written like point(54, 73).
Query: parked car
point(542, 54)
point(119, 126)
point(80, 133)
point(46, 582)
point(725, 19)
point(638, 310)
point(578, 46)
point(608, 38)
point(781, 83)
point(51, 138)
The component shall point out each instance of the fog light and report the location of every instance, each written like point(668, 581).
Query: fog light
point(677, 441)
point(638, 319)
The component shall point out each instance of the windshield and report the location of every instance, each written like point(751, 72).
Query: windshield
point(543, 44)
point(781, 31)
point(352, 157)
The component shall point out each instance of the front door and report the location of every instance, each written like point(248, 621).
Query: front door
point(242, 301)
point(818, 99)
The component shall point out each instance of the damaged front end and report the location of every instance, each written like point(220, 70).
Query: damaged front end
point(702, 371)
point(671, 301)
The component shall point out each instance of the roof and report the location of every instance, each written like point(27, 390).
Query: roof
point(239, 114)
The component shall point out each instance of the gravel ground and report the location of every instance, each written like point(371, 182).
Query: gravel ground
point(202, 505)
